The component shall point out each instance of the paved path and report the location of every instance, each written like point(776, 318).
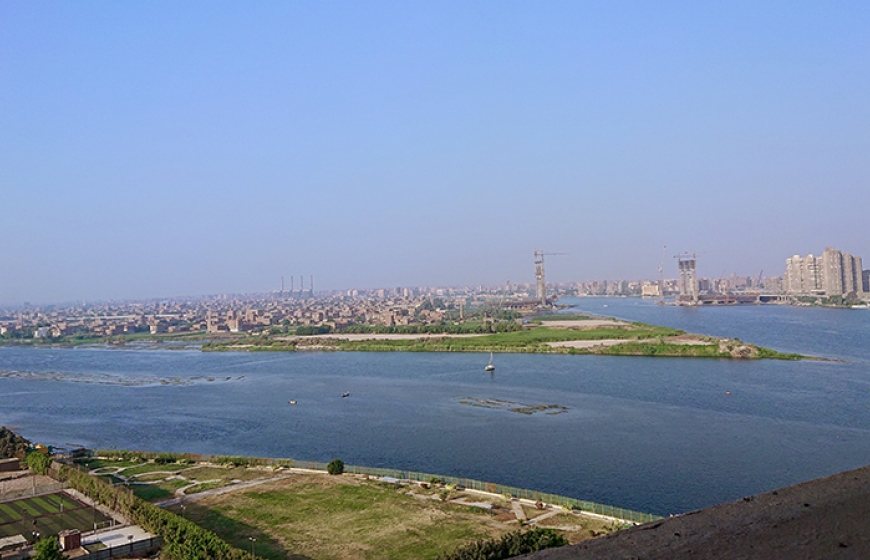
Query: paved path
point(518, 511)
point(547, 515)
point(219, 491)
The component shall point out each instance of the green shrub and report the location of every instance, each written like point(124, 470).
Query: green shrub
point(38, 462)
point(336, 466)
point(508, 546)
point(48, 548)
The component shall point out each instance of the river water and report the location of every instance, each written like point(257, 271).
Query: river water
point(660, 435)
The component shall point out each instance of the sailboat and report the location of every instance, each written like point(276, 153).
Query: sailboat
point(490, 366)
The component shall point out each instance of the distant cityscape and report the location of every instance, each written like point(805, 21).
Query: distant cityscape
point(833, 278)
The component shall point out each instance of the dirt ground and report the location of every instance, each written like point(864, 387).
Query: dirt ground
point(585, 324)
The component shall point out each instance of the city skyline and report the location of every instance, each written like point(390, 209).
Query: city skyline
point(161, 150)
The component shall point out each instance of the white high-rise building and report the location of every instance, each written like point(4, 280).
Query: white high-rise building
point(834, 273)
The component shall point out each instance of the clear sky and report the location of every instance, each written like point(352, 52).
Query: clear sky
point(168, 148)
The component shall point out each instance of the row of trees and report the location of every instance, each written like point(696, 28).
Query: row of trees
point(442, 328)
point(164, 457)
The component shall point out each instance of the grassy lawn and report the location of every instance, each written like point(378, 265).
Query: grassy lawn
point(96, 463)
point(110, 478)
point(582, 527)
point(227, 474)
point(323, 517)
point(202, 487)
point(154, 467)
point(156, 491)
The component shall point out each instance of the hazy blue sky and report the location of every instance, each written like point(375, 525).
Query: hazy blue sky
point(163, 148)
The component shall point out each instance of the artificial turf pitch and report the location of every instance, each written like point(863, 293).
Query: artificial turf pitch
point(17, 517)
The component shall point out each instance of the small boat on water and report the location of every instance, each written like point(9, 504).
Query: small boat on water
point(345, 395)
point(291, 401)
point(490, 366)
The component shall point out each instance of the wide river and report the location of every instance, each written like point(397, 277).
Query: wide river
point(654, 434)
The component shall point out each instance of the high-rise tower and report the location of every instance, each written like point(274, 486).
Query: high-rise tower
point(687, 265)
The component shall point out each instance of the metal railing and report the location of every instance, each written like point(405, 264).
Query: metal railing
point(141, 547)
point(493, 488)
point(508, 491)
point(41, 489)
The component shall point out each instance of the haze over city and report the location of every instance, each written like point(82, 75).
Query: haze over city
point(167, 149)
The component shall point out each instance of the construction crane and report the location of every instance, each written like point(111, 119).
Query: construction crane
point(540, 279)
point(662, 276)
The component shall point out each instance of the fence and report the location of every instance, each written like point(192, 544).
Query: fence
point(564, 501)
point(7, 495)
point(138, 548)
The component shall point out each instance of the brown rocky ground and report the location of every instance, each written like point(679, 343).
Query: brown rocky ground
point(828, 518)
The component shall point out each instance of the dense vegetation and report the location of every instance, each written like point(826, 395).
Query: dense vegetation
point(182, 539)
point(469, 327)
point(336, 466)
point(48, 548)
point(38, 462)
point(526, 340)
point(509, 545)
point(12, 445)
point(560, 317)
point(183, 458)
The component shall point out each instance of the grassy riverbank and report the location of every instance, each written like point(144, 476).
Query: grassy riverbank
point(306, 513)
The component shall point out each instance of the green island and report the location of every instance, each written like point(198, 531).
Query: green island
point(552, 334)
point(555, 333)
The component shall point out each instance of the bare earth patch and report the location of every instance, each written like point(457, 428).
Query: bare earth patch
point(586, 344)
point(376, 336)
point(682, 340)
point(585, 324)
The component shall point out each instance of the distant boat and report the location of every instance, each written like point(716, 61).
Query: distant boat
point(345, 395)
point(490, 366)
point(292, 401)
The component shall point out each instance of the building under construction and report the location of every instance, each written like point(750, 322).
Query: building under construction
point(688, 282)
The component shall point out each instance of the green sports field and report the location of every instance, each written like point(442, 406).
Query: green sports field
point(53, 513)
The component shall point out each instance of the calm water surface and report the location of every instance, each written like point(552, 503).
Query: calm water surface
point(654, 434)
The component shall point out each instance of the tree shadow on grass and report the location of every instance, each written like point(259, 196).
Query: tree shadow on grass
point(237, 533)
